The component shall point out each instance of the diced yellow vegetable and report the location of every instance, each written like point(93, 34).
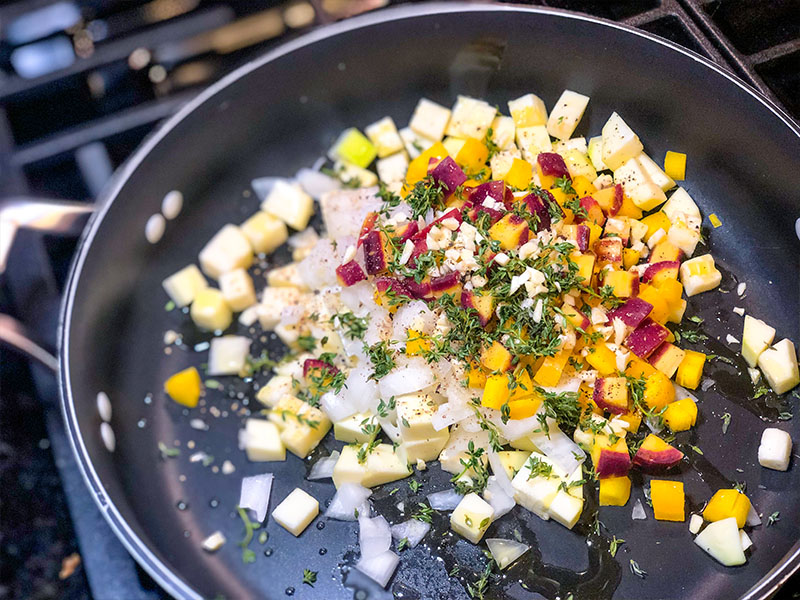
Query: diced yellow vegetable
point(184, 387)
point(495, 392)
point(473, 156)
point(418, 168)
point(354, 147)
point(658, 220)
point(615, 491)
point(725, 504)
point(714, 220)
point(602, 358)
point(520, 173)
point(416, 343)
point(690, 370)
point(668, 499)
point(658, 391)
point(630, 257)
point(210, 311)
point(675, 165)
point(681, 415)
point(552, 367)
point(496, 357)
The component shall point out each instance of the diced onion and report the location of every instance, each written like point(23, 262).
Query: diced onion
point(349, 498)
point(255, 494)
point(559, 448)
point(263, 186)
point(315, 183)
point(444, 500)
point(752, 517)
point(506, 552)
point(414, 315)
point(707, 383)
point(379, 568)
point(336, 407)
point(374, 535)
point(323, 468)
point(500, 473)
point(681, 393)
point(638, 513)
point(412, 377)
point(412, 530)
point(495, 495)
point(449, 413)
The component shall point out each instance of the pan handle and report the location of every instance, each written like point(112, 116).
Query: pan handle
point(55, 217)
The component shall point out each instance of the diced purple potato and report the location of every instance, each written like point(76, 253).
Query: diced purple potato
point(552, 164)
point(491, 189)
point(632, 313)
point(656, 268)
point(449, 174)
point(583, 237)
point(314, 363)
point(375, 258)
point(350, 273)
point(538, 208)
point(445, 282)
point(648, 336)
point(420, 291)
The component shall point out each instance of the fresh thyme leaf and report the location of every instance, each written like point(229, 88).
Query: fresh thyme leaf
point(364, 450)
point(761, 390)
point(169, 306)
point(309, 577)
point(167, 452)
point(774, 518)
point(726, 421)
point(382, 359)
point(637, 570)
point(426, 195)
point(307, 342)
point(784, 416)
point(354, 327)
point(248, 555)
point(539, 468)
point(478, 589)
point(565, 185)
point(212, 384)
point(475, 467)
point(402, 544)
point(614, 545)
point(384, 408)
point(414, 485)
point(696, 450)
point(423, 513)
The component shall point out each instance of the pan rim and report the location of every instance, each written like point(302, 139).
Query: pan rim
point(170, 580)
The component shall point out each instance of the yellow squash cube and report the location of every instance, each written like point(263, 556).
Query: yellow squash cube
point(354, 147)
point(675, 165)
point(519, 175)
point(690, 370)
point(668, 499)
point(265, 232)
point(681, 415)
point(184, 387)
point(552, 367)
point(725, 504)
point(615, 491)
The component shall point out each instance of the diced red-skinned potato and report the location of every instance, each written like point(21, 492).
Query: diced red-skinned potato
point(594, 212)
point(496, 190)
point(350, 273)
point(376, 252)
point(667, 358)
point(314, 366)
point(632, 313)
point(538, 208)
point(496, 358)
point(575, 317)
point(449, 174)
point(665, 251)
point(609, 252)
point(383, 295)
point(475, 212)
point(406, 231)
point(656, 455)
point(447, 284)
point(550, 166)
point(624, 283)
point(659, 272)
point(453, 213)
point(646, 338)
point(482, 303)
point(611, 394)
point(421, 290)
point(610, 199)
point(420, 247)
point(367, 226)
point(611, 459)
point(511, 231)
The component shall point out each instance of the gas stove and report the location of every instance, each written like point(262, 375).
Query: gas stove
point(82, 82)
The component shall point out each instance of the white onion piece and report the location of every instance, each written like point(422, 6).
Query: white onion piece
point(349, 498)
point(444, 500)
point(654, 425)
point(391, 430)
point(570, 385)
point(559, 448)
point(323, 468)
point(374, 535)
point(638, 513)
point(449, 413)
point(506, 552)
point(414, 315)
point(359, 298)
point(379, 568)
point(359, 390)
point(500, 501)
point(315, 183)
point(752, 517)
point(681, 393)
point(318, 269)
point(517, 428)
point(412, 377)
point(500, 473)
point(255, 494)
point(263, 186)
point(292, 314)
point(336, 407)
point(707, 384)
point(412, 530)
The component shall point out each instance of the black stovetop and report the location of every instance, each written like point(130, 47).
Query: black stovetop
point(81, 84)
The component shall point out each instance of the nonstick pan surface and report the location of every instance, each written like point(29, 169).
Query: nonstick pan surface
point(281, 113)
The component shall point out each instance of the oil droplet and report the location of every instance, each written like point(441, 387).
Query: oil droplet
point(148, 399)
point(360, 595)
point(323, 551)
point(321, 525)
point(290, 591)
point(181, 505)
point(141, 423)
point(268, 552)
point(214, 503)
point(187, 533)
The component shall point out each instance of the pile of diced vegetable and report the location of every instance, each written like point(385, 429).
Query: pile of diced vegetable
point(494, 297)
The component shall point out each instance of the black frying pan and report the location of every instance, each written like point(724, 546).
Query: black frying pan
point(280, 113)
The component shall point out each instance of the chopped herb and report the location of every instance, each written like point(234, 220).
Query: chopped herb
point(565, 185)
point(539, 468)
point(726, 421)
point(309, 577)
point(248, 555)
point(354, 327)
point(761, 390)
point(384, 408)
point(614, 545)
point(382, 359)
point(454, 571)
point(307, 342)
point(256, 365)
point(475, 466)
point(393, 491)
point(424, 513)
point(426, 194)
point(490, 144)
point(637, 570)
point(784, 416)
point(169, 306)
point(478, 589)
point(365, 450)
point(574, 204)
point(212, 384)
point(741, 486)
point(402, 544)
point(167, 452)
point(774, 518)
point(414, 485)
point(696, 450)
point(404, 421)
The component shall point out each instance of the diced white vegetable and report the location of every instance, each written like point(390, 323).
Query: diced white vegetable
point(214, 542)
point(471, 517)
point(503, 131)
point(210, 311)
point(275, 389)
point(351, 429)
point(274, 300)
point(655, 173)
point(752, 517)
point(578, 143)
point(429, 119)
point(183, 286)
point(456, 449)
point(746, 541)
point(265, 232)
point(414, 413)
point(415, 375)
point(638, 185)
point(287, 276)
point(638, 513)
point(533, 140)
point(775, 449)
point(343, 212)
point(699, 274)
point(528, 110)
point(289, 202)
point(254, 494)
point(374, 535)
point(296, 511)
point(384, 136)
point(619, 142)
point(557, 446)
point(496, 494)
point(427, 448)
point(315, 184)
point(779, 365)
point(229, 249)
point(501, 162)
point(505, 552)
point(323, 468)
point(681, 204)
point(350, 498)
point(228, 354)
point(453, 145)
point(537, 493)
point(380, 567)
point(470, 118)
point(566, 509)
point(683, 237)
point(353, 175)
point(566, 114)
point(695, 523)
point(578, 164)
point(382, 465)
point(444, 500)
point(415, 144)
point(722, 541)
point(237, 289)
point(412, 530)
point(392, 168)
point(262, 441)
point(262, 186)
point(756, 337)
